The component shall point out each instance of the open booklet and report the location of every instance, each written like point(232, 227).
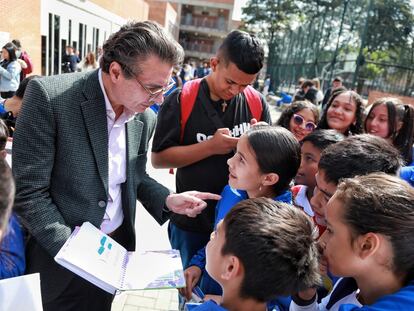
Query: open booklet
point(96, 257)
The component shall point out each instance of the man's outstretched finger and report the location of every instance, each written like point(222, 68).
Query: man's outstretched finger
point(207, 196)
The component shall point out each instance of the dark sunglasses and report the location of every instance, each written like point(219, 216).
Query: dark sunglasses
point(299, 120)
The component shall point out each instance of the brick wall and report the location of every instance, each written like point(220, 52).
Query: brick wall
point(22, 20)
point(374, 95)
point(157, 12)
point(129, 9)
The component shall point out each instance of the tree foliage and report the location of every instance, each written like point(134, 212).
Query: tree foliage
point(319, 34)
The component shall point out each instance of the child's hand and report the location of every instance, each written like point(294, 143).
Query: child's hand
point(217, 298)
point(192, 275)
point(222, 142)
point(307, 294)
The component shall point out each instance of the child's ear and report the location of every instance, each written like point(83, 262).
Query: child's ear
point(368, 244)
point(270, 179)
point(232, 268)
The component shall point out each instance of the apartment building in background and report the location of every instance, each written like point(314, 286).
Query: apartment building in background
point(201, 25)
point(46, 27)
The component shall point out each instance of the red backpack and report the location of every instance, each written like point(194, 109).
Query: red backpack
point(189, 94)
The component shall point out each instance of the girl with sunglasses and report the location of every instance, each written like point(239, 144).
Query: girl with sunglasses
point(344, 112)
point(300, 118)
point(389, 118)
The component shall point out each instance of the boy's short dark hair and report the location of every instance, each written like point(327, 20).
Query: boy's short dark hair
point(321, 139)
point(242, 49)
point(4, 134)
point(359, 155)
point(276, 244)
point(6, 193)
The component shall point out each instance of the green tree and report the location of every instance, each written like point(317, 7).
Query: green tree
point(390, 24)
point(269, 19)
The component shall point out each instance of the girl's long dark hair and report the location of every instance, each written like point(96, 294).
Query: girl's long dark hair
point(11, 48)
point(402, 138)
point(353, 129)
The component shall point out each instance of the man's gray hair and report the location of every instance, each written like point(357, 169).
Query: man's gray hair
point(134, 42)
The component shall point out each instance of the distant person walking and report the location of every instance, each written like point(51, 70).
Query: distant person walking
point(88, 63)
point(9, 71)
point(22, 55)
point(69, 60)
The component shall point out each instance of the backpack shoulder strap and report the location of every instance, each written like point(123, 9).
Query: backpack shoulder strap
point(187, 100)
point(254, 101)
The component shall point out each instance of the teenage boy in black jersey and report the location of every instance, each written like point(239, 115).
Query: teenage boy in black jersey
point(220, 115)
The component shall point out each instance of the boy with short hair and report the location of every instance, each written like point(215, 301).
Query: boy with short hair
point(356, 155)
point(262, 249)
point(312, 147)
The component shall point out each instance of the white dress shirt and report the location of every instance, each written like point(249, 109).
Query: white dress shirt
point(116, 163)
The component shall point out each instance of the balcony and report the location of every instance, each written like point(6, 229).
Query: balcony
point(211, 25)
point(198, 49)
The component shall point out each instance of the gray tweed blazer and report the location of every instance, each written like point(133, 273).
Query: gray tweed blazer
point(60, 164)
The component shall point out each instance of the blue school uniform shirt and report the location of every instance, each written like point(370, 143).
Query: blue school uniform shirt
point(12, 255)
point(229, 198)
point(213, 306)
point(407, 173)
point(401, 300)
point(208, 305)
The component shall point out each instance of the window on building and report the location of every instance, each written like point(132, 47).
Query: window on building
point(44, 55)
point(80, 39)
point(84, 39)
point(70, 33)
point(56, 47)
point(93, 39)
point(96, 42)
point(63, 46)
point(50, 44)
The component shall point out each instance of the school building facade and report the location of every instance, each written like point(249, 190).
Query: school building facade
point(45, 27)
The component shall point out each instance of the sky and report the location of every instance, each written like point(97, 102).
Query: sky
point(238, 4)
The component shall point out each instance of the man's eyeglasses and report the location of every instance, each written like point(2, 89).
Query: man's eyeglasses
point(152, 93)
point(157, 92)
point(299, 120)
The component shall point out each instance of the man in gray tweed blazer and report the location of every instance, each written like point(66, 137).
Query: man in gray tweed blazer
point(79, 155)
